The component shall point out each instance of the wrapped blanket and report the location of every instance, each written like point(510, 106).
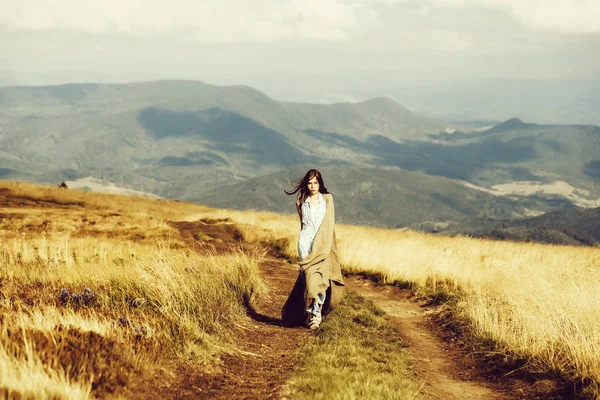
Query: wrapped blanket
point(320, 272)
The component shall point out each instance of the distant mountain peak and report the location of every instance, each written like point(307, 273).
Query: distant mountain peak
point(381, 100)
point(516, 121)
point(382, 103)
point(509, 125)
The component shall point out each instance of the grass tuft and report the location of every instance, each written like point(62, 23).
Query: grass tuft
point(355, 353)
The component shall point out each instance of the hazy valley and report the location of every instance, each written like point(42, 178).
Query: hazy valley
point(236, 147)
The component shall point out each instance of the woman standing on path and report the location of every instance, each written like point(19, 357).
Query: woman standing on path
point(319, 286)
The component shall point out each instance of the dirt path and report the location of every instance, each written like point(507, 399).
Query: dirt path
point(446, 374)
point(264, 359)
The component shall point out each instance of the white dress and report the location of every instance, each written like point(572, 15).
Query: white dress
point(312, 217)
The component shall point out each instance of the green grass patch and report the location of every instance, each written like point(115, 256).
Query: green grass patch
point(356, 354)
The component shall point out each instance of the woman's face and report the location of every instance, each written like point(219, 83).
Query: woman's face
point(313, 185)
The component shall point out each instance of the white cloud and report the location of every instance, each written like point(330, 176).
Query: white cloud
point(574, 16)
point(204, 21)
point(435, 39)
point(447, 40)
point(259, 21)
point(568, 16)
point(422, 10)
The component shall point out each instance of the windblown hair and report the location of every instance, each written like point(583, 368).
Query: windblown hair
point(301, 188)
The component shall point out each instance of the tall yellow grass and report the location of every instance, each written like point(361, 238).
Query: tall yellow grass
point(149, 291)
point(29, 377)
point(166, 296)
point(535, 301)
point(540, 302)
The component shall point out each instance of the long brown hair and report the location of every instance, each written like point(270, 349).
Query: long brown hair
point(301, 187)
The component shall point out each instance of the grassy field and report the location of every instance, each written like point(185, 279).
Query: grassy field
point(106, 278)
point(535, 302)
point(98, 293)
point(101, 298)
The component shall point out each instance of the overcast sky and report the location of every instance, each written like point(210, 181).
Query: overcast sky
point(295, 47)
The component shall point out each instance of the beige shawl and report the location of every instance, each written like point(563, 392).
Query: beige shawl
point(320, 272)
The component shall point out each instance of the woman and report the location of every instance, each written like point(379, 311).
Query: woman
point(319, 286)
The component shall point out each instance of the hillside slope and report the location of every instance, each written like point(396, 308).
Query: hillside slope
point(184, 139)
point(573, 226)
point(152, 134)
point(368, 196)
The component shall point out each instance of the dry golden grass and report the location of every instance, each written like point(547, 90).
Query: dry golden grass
point(538, 302)
point(535, 301)
point(86, 308)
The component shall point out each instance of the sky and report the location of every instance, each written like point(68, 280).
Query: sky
point(299, 49)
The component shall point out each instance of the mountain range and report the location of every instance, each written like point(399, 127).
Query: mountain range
point(150, 134)
point(236, 147)
point(571, 226)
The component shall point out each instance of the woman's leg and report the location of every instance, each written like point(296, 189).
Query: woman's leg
point(317, 282)
point(313, 313)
